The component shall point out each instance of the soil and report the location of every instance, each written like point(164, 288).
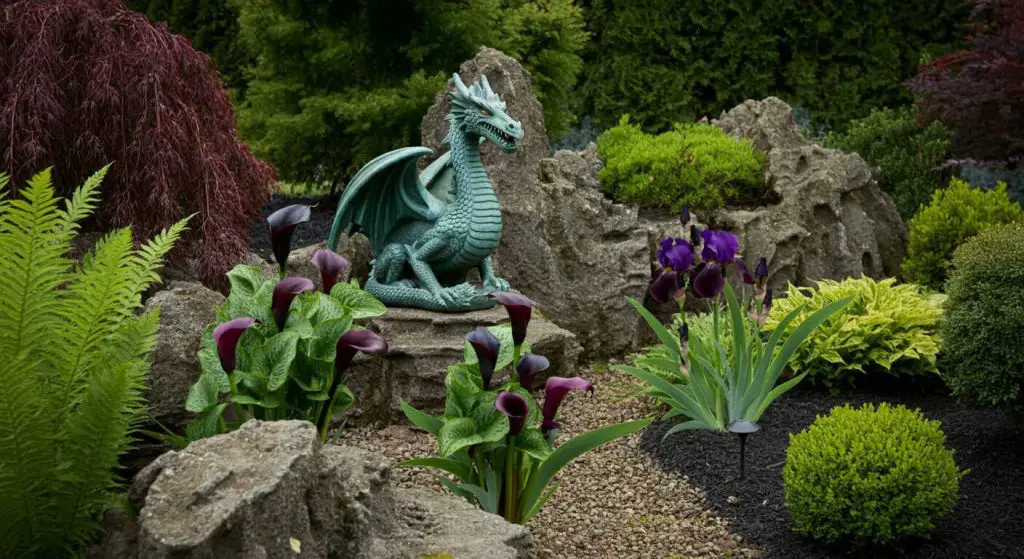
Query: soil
point(315, 231)
point(985, 523)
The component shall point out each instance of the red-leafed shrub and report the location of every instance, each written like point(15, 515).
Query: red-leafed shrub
point(84, 83)
point(980, 92)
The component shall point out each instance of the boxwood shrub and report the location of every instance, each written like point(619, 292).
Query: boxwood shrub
point(983, 359)
point(869, 476)
point(887, 327)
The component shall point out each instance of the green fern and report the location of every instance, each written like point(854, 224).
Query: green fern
point(74, 355)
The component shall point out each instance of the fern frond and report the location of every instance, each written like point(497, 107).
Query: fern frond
point(82, 203)
point(149, 258)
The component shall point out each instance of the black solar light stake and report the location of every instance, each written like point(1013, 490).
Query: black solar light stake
point(742, 429)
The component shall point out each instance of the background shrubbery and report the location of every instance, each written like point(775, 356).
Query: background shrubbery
point(696, 164)
point(886, 327)
point(869, 476)
point(954, 215)
point(984, 327)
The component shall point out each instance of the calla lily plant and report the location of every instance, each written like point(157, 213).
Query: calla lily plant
point(708, 385)
point(497, 443)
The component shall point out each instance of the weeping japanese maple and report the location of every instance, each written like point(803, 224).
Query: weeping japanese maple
point(90, 82)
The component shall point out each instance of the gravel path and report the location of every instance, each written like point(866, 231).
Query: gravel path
point(614, 502)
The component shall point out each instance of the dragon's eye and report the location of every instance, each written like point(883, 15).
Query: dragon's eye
point(485, 112)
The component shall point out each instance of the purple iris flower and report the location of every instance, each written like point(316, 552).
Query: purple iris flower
point(719, 246)
point(684, 215)
point(744, 271)
point(515, 408)
point(331, 265)
point(284, 292)
point(555, 391)
point(226, 337)
point(520, 309)
point(486, 346)
point(666, 287)
point(529, 365)
point(761, 273)
point(675, 254)
point(282, 224)
point(707, 280)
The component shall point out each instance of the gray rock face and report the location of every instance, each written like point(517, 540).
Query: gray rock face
point(270, 490)
point(563, 244)
point(830, 220)
point(186, 309)
point(423, 344)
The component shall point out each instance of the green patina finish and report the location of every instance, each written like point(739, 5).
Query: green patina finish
point(428, 230)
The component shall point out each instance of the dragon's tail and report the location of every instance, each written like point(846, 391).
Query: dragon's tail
point(466, 297)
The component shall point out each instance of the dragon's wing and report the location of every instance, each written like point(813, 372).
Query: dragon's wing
point(439, 177)
point(385, 193)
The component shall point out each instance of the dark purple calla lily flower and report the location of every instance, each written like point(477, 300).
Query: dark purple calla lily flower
point(744, 271)
point(675, 254)
point(357, 341)
point(684, 215)
point(529, 366)
point(284, 292)
point(519, 308)
point(554, 392)
point(226, 337)
point(515, 408)
point(719, 246)
point(707, 280)
point(665, 287)
point(330, 265)
point(486, 346)
point(282, 224)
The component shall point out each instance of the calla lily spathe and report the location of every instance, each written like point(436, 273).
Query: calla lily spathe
point(357, 341)
point(284, 293)
point(555, 391)
point(486, 346)
point(331, 265)
point(226, 337)
point(282, 224)
point(515, 408)
point(529, 366)
point(520, 310)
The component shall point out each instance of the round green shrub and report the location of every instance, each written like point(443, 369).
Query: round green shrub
point(886, 327)
point(869, 476)
point(695, 164)
point(954, 215)
point(905, 155)
point(983, 359)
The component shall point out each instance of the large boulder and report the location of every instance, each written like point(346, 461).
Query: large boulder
point(186, 308)
point(563, 244)
point(270, 490)
point(827, 219)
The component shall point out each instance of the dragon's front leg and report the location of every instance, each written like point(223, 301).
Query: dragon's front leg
point(491, 281)
point(419, 262)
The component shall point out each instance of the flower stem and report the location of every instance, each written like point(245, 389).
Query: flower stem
point(516, 353)
point(511, 479)
point(324, 418)
point(234, 390)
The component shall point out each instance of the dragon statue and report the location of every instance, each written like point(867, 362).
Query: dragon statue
point(428, 230)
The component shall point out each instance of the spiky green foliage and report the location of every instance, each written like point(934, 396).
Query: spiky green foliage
point(658, 359)
point(955, 214)
point(869, 476)
point(983, 359)
point(887, 327)
point(73, 364)
point(696, 164)
point(905, 155)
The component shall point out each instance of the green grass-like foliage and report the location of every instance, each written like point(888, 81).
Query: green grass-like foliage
point(280, 374)
point(954, 215)
point(73, 365)
point(659, 359)
point(984, 327)
point(905, 154)
point(869, 476)
point(723, 388)
point(886, 327)
point(694, 164)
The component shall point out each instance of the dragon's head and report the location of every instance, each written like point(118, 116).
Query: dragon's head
point(478, 111)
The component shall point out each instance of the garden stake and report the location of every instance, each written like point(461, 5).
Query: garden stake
point(742, 429)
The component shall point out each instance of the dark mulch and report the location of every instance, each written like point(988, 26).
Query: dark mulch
point(988, 521)
point(316, 231)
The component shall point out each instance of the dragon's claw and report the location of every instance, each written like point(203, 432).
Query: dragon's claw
point(496, 284)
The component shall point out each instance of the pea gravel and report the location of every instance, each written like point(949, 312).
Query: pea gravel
point(614, 502)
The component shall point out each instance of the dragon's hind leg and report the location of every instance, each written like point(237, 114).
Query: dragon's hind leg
point(390, 264)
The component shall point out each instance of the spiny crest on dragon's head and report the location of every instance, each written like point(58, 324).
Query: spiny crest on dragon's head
point(477, 110)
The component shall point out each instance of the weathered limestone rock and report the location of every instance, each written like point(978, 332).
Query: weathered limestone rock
point(270, 490)
point(186, 309)
point(830, 220)
point(423, 344)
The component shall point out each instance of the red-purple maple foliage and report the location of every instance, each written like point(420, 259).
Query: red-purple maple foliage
point(980, 92)
point(84, 83)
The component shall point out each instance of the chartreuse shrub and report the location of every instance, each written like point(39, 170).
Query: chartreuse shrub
point(74, 355)
point(497, 443)
point(695, 164)
point(954, 215)
point(886, 327)
point(279, 348)
point(905, 154)
point(984, 328)
point(869, 476)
